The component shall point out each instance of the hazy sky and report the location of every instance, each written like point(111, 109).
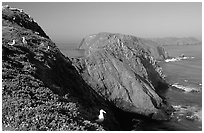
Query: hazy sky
point(70, 22)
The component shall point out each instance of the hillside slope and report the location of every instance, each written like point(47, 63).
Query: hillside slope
point(44, 90)
point(41, 90)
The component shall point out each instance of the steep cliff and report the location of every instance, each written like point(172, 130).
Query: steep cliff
point(41, 90)
point(155, 49)
point(122, 69)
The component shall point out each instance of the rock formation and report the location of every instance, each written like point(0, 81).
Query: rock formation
point(156, 50)
point(19, 17)
point(42, 90)
point(122, 69)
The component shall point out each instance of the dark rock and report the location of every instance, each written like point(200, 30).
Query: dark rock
point(122, 69)
point(163, 54)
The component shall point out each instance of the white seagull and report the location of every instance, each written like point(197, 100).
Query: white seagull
point(101, 117)
point(24, 40)
point(9, 43)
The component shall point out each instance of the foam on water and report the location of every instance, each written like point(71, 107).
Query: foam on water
point(186, 88)
point(178, 59)
point(192, 113)
point(184, 73)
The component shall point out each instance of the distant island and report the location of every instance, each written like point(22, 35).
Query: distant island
point(177, 41)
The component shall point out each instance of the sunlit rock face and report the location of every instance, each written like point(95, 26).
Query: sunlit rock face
point(123, 70)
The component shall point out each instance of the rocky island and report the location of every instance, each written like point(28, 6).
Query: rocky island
point(172, 41)
point(42, 89)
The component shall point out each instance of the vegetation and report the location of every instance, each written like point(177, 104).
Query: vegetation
point(29, 102)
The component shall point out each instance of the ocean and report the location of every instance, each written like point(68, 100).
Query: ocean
point(184, 73)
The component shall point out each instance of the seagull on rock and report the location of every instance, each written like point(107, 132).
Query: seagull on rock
point(100, 118)
point(9, 43)
point(24, 40)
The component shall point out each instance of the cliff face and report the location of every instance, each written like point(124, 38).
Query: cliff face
point(41, 90)
point(122, 69)
point(156, 50)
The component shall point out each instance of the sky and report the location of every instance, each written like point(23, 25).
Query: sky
point(66, 22)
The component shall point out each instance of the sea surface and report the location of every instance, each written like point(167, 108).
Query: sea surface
point(184, 72)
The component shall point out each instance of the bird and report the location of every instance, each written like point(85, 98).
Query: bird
point(100, 118)
point(24, 40)
point(9, 43)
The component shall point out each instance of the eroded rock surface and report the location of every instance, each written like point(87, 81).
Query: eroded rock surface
point(122, 69)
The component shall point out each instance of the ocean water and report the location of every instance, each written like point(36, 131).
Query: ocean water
point(184, 72)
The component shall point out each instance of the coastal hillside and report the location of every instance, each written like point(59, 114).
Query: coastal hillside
point(41, 90)
point(44, 90)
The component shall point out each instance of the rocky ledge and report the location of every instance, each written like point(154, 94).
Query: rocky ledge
point(44, 90)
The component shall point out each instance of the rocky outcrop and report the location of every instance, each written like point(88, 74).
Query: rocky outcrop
point(41, 90)
point(19, 17)
point(155, 49)
point(123, 70)
point(162, 53)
